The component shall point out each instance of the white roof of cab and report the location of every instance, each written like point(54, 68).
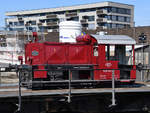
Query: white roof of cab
point(115, 39)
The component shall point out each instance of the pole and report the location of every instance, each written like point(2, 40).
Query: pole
point(113, 88)
point(12, 58)
point(142, 39)
point(28, 32)
point(143, 62)
point(69, 95)
point(19, 95)
point(142, 54)
point(0, 79)
point(43, 37)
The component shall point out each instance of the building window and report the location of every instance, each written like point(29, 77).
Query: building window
point(120, 26)
point(21, 23)
point(42, 14)
point(34, 29)
point(114, 18)
point(42, 29)
point(121, 11)
point(121, 18)
point(138, 57)
point(84, 25)
point(10, 29)
point(10, 23)
point(114, 9)
point(128, 11)
point(33, 22)
point(109, 17)
point(42, 21)
point(74, 18)
point(113, 25)
point(109, 25)
point(109, 9)
point(52, 20)
point(91, 18)
point(126, 25)
point(61, 19)
point(85, 17)
point(87, 10)
point(91, 26)
point(17, 29)
point(127, 19)
point(103, 24)
point(15, 23)
point(103, 16)
point(31, 29)
point(60, 13)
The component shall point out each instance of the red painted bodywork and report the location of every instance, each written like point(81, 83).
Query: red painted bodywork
point(80, 53)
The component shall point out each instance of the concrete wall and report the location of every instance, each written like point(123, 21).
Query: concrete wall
point(133, 32)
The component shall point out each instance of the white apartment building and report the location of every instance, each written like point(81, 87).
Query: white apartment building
point(101, 15)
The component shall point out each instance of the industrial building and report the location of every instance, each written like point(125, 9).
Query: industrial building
point(103, 15)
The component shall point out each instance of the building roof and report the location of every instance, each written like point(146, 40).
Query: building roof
point(115, 39)
point(67, 8)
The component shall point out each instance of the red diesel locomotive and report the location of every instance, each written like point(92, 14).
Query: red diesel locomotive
point(89, 60)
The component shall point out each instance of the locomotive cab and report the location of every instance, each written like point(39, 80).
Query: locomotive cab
point(120, 49)
point(124, 57)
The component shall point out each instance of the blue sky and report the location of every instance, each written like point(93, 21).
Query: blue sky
point(142, 7)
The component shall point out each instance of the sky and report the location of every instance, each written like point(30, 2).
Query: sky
point(141, 13)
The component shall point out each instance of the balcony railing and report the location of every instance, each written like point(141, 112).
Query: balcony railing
point(84, 21)
point(51, 16)
point(102, 11)
point(100, 20)
point(39, 24)
point(84, 28)
point(20, 19)
point(99, 27)
point(52, 24)
point(74, 14)
point(42, 24)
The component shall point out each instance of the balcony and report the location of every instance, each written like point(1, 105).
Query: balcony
point(20, 19)
point(84, 21)
point(55, 30)
point(74, 14)
point(51, 16)
point(84, 28)
point(101, 20)
point(39, 24)
point(99, 27)
point(101, 12)
point(27, 24)
point(52, 24)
